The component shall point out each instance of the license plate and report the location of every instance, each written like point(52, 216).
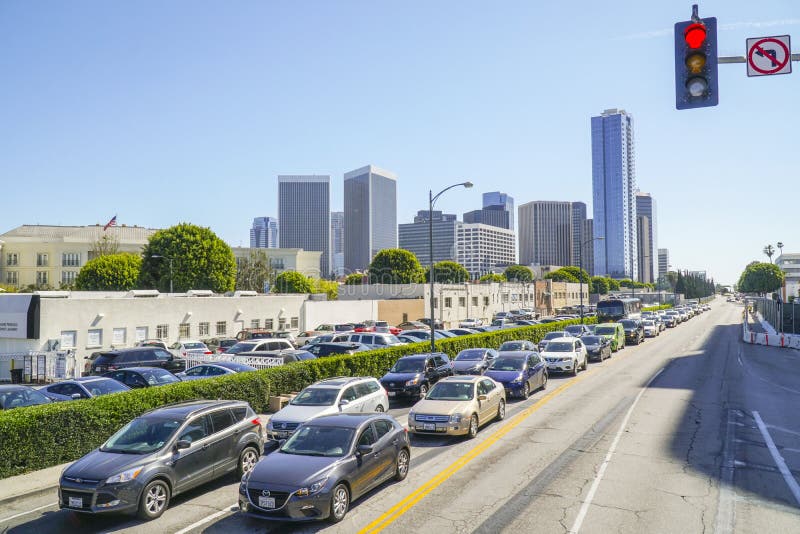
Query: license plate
point(428, 426)
point(75, 502)
point(266, 502)
point(392, 393)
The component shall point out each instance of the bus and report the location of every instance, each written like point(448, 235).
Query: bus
point(612, 310)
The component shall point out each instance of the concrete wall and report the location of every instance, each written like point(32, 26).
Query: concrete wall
point(319, 312)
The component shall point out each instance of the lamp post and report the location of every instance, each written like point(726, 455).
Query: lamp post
point(170, 268)
point(431, 201)
point(580, 266)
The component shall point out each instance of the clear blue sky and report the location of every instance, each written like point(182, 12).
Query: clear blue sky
point(162, 112)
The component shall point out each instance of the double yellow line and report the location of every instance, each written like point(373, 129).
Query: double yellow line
point(401, 507)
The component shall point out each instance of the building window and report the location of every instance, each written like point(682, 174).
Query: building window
point(485, 301)
point(269, 324)
point(281, 323)
point(70, 259)
point(141, 333)
point(293, 322)
point(222, 328)
point(462, 302)
point(162, 331)
point(255, 323)
point(184, 330)
point(11, 278)
point(12, 258)
point(203, 329)
point(118, 336)
point(41, 259)
point(94, 338)
point(474, 301)
point(68, 277)
point(68, 339)
point(448, 302)
point(41, 278)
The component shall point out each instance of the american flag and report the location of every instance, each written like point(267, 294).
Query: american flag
point(112, 222)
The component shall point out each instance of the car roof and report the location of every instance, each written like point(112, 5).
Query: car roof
point(141, 369)
point(521, 354)
point(565, 338)
point(185, 409)
point(85, 379)
point(423, 355)
point(131, 350)
point(234, 366)
point(462, 378)
point(348, 420)
point(341, 381)
point(13, 387)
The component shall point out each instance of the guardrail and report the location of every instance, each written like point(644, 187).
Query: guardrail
point(769, 337)
point(259, 362)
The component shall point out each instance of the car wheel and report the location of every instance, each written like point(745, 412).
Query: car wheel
point(340, 503)
point(473, 426)
point(247, 461)
point(501, 410)
point(575, 368)
point(423, 390)
point(379, 408)
point(154, 500)
point(526, 390)
point(544, 380)
point(402, 465)
point(585, 363)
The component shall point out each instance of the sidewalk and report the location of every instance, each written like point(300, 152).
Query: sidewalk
point(46, 480)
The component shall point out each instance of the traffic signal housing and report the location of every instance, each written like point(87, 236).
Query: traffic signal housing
point(696, 76)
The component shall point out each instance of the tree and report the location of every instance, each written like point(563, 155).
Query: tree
point(613, 285)
point(626, 282)
point(600, 284)
point(769, 250)
point(395, 266)
point(672, 280)
point(518, 273)
point(293, 282)
point(7, 288)
point(107, 244)
point(447, 272)
point(354, 279)
point(561, 275)
point(110, 272)
point(253, 272)
point(492, 277)
point(761, 278)
point(329, 287)
point(197, 258)
point(680, 284)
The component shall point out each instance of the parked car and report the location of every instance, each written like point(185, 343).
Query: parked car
point(528, 322)
point(470, 323)
point(520, 344)
point(343, 394)
point(614, 332)
point(412, 325)
point(565, 355)
point(438, 325)
point(503, 322)
point(84, 387)
point(260, 345)
point(288, 355)
point(578, 330)
point(412, 376)
point(146, 356)
point(327, 464)
point(519, 372)
point(410, 339)
point(634, 331)
point(186, 347)
point(423, 335)
point(321, 350)
point(254, 333)
point(458, 405)
point(220, 345)
point(211, 370)
point(152, 343)
point(462, 331)
point(597, 347)
point(551, 335)
point(19, 396)
point(161, 454)
point(446, 333)
point(650, 328)
point(473, 361)
point(374, 340)
point(385, 328)
point(142, 377)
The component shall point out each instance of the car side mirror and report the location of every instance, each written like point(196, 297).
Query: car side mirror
point(363, 449)
point(344, 402)
point(76, 396)
point(182, 444)
point(482, 397)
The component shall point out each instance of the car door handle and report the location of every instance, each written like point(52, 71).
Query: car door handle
point(204, 447)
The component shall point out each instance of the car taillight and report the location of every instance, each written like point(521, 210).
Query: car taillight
point(112, 367)
point(208, 352)
point(256, 421)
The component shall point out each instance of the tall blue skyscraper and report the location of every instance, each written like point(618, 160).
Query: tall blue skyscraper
point(614, 195)
point(304, 211)
point(497, 200)
point(370, 215)
point(264, 233)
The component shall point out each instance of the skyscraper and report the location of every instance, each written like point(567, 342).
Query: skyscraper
point(305, 216)
point(545, 233)
point(646, 209)
point(493, 216)
point(482, 248)
point(337, 242)
point(643, 248)
point(415, 237)
point(578, 237)
point(614, 194)
point(370, 215)
point(496, 200)
point(663, 262)
point(264, 233)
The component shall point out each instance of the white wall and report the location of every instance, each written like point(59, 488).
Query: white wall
point(332, 312)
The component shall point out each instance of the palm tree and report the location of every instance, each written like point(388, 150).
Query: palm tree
point(769, 250)
point(780, 246)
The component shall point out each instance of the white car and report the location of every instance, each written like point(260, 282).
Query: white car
point(185, 347)
point(343, 394)
point(650, 328)
point(469, 323)
point(565, 355)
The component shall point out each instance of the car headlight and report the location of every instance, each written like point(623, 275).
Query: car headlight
point(412, 382)
point(517, 380)
point(125, 476)
point(313, 488)
point(455, 418)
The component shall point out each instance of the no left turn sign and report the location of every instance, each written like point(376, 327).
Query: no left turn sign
point(769, 55)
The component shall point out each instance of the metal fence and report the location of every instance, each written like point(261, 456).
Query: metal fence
point(37, 367)
point(783, 316)
point(259, 362)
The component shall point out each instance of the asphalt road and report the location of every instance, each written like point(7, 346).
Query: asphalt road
point(692, 431)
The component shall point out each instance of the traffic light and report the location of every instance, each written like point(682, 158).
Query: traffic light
point(696, 62)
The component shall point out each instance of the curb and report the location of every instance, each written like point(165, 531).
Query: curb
point(29, 494)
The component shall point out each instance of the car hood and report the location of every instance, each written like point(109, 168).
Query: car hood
point(467, 364)
point(291, 469)
point(400, 377)
point(301, 414)
point(546, 354)
point(502, 376)
point(442, 407)
point(99, 465)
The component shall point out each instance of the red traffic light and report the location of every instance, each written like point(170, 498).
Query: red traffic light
point(695, 35)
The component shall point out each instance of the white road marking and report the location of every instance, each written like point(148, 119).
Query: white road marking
point(576, 526)
point(726, 512)
point(209, 518)
point(28, 512)
point(779, 461)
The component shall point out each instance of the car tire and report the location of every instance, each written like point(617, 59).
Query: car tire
point(154, 500)
point(379, 408)
point(473, 426)
point(545, 377)
point(340, 503)
point(575, 368)
point(526, 390)
point(402, 463)
point(501, 410)
point(247, 461)
point(423, 390)
point(585, 363)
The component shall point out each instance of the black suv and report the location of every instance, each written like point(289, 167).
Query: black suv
point(162, 453)
point(137, 357)
point(412, 376)
point(634, 331)
point(321, 350)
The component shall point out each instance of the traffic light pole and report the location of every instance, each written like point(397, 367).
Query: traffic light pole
point(742, 59)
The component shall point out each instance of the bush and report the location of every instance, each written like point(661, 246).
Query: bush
point(656, 308)
point(37, 437)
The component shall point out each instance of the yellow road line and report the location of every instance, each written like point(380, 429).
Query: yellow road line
point(401, 507)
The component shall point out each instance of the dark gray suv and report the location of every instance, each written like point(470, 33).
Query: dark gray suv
point(163, 453)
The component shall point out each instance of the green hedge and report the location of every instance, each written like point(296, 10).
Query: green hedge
point(656, 308)
point(37, 437)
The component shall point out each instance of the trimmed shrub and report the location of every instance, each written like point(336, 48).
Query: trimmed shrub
point(656, 308)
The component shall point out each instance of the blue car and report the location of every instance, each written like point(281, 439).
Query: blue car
point(210, 370)
point(519, 372)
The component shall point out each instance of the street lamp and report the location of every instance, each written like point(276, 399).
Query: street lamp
point(170, 267)
point(580, 266)
point(431, 201)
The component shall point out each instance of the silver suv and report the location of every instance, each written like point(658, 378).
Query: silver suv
point(375, 340)
point(343, 394)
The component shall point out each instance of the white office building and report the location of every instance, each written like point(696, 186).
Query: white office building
point(482, 248)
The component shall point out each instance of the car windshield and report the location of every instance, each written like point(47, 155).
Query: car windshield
point(470, 354)
point(628, 324)
point(574, 328)
point(17, 398)
point(316, 397)
point(553, 335)
point(191, 346)
point(415, 365)
point(612, 309)
point(605, 330)
point(454, 391)
point(507, 364)
point(104, 387)
point(343, 327)
point(157, 377)
point(241, 347)
point(512, 345)
point(143, 435)
point(312, 440)
point(559, 346)
point(648, 323)
point(591, 340)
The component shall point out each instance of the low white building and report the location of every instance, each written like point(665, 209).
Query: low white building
point(789, 263)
